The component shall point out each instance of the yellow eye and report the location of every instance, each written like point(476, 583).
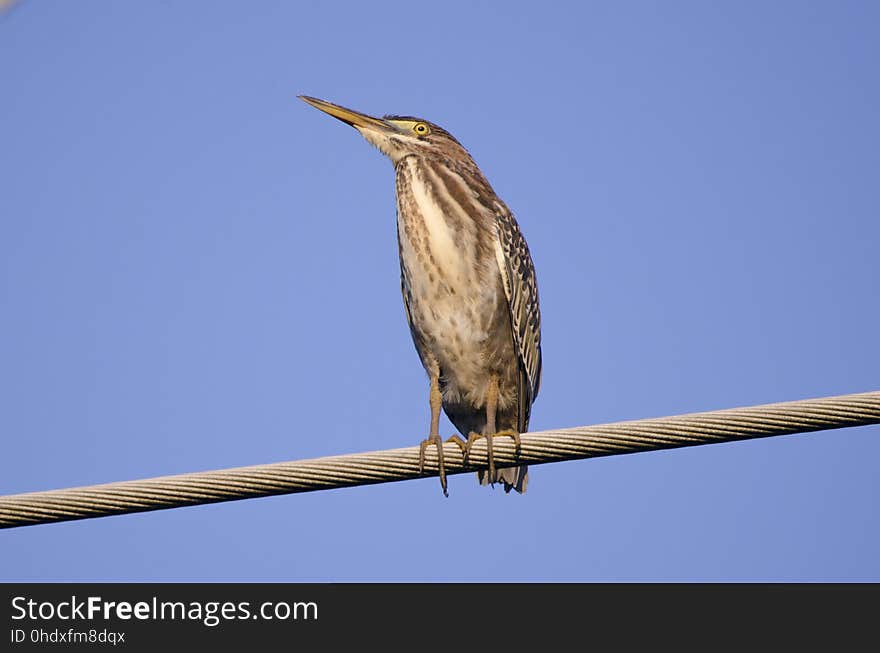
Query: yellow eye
point(421, 129)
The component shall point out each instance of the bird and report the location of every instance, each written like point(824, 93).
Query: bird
point(469, 289)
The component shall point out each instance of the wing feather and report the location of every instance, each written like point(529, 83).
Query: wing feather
point(520, 285)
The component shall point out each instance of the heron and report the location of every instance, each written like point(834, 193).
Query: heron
point(468, 285)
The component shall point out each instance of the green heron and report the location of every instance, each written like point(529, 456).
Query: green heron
point(468, 286)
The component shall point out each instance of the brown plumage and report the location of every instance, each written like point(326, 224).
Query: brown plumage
point(468, 286)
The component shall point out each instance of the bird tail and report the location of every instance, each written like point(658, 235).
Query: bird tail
point(514, 478)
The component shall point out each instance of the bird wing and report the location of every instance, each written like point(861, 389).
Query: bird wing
point(407, 306)
point(518, 274)
point(407, 302)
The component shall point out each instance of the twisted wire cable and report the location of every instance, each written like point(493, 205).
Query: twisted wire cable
point(403, 464)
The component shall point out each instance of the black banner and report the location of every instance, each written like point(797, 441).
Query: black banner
point(143, 616)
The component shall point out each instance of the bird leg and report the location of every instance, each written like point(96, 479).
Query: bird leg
point(490, 430)
point(436, 401)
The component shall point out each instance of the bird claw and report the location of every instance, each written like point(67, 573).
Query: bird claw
point(441, 464)
point(490, 455)
point(513, 435)
point(461, 445)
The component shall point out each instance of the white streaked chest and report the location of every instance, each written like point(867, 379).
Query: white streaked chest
point(453, 287)
point(436, 239)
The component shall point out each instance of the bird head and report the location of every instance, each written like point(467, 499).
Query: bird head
point(396, 136)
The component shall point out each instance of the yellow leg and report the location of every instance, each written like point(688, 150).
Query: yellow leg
point(490, 430)
point(436, 401)
point(491, 413)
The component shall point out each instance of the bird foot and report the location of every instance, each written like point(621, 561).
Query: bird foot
point(436, 440)
point(473, 437)
point(513, 435)
point(461, 445)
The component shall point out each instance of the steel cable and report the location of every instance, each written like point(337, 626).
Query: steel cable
point(402, 464)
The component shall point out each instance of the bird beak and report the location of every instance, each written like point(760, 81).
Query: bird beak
point(353, 118)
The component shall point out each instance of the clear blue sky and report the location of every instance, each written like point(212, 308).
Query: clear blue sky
point(200, 271)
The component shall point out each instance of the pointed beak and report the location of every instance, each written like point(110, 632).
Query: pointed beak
point(349, 117)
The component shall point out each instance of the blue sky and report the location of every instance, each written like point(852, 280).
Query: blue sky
point(199, 271)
